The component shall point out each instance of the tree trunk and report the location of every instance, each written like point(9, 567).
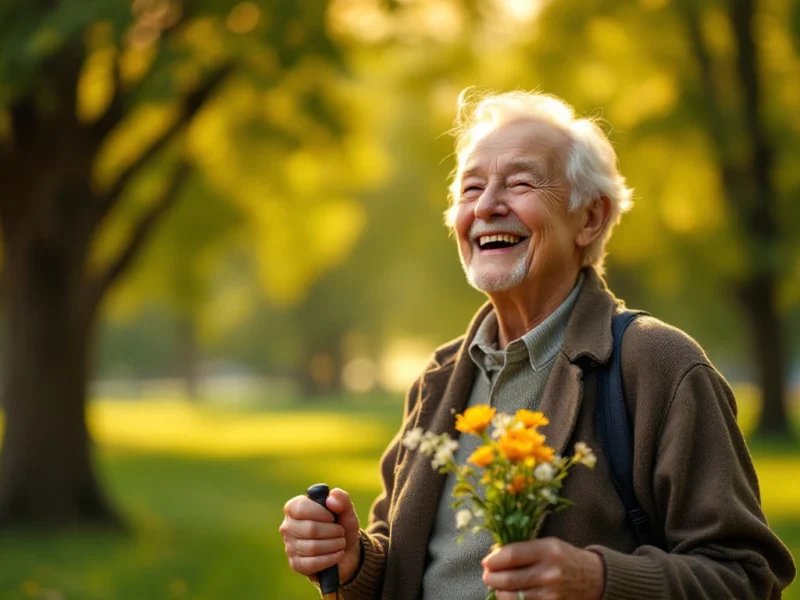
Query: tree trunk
point(757, 297)
point(47, 477)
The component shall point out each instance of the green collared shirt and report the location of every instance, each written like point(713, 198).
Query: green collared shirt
point(505, 370)
point(508, 379)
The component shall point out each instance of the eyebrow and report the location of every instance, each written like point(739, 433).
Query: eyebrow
point(515, 165)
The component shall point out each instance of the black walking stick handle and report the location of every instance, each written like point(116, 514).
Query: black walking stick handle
point(329, 578)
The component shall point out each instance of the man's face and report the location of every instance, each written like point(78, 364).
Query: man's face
point(512, 221)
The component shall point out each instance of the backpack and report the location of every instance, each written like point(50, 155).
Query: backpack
point(614, 429)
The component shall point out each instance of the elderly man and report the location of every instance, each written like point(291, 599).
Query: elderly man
point(534, 199)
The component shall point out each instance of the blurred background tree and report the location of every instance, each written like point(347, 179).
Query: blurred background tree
point(110, 114)
point(263, 185)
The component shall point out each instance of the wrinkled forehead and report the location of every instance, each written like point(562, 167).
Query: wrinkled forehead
point(518, 142)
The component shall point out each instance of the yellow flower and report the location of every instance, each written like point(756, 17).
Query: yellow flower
point(517, 484)
point(482, 456)
point(475, 419)
point(519, 444)
point(531, 419)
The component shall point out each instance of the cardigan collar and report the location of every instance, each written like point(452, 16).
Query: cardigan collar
point(588, 331)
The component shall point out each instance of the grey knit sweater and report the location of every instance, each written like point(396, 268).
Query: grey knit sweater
point(509, 379)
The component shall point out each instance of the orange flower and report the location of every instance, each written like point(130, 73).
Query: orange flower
point(531, 419)
point(543, 454)
point(475, 419)
point(482, 456)
point(519, 444)
point(517, 484)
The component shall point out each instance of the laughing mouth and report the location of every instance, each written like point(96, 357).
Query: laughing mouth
point(498, 241)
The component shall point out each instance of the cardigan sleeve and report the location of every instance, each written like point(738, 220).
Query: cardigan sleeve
point(718, 543)
point(368, 581)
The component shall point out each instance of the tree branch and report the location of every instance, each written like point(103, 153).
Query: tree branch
point(191, 106)
point(116, 109)
point(141, 232)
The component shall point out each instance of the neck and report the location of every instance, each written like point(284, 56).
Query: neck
point(519, 311)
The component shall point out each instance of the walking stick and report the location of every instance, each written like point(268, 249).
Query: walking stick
point(329, 578)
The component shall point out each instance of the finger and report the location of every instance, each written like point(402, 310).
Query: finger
point(316, 547)
point(543, 582)
point(312, 530)
point(311, 565)
point(528, 594)
point(340, 503)
point(521, 554)
point(511, 556)
point(509, 579)
point(302, 508)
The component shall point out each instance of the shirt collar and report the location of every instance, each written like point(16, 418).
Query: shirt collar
point(540, 344)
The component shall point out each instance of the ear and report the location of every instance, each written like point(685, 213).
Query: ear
point(595, 217)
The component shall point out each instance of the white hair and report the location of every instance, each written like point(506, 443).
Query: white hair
point(591, 168)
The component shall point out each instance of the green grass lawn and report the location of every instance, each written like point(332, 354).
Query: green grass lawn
point(203, 488)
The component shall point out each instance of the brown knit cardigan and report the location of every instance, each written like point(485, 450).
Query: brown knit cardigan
point(692, 472)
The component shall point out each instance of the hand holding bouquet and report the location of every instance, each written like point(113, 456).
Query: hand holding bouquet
point(511, 480)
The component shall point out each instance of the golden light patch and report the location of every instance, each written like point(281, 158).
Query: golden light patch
point(178, 427)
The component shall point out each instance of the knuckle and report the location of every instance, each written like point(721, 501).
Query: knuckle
point(501, 580)
point(289, 506)
point(554, 574)
point(304, 530)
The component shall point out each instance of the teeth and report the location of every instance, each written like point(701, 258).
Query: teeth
point(510, 239)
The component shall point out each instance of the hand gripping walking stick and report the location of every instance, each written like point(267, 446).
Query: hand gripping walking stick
point(329, 578)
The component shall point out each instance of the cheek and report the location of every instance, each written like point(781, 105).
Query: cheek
point(463, 222)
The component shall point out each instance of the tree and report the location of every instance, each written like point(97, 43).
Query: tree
point(105, 114)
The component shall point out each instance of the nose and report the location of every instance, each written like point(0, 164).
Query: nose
point(491, 203)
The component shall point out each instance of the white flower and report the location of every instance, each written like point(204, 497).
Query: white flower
point(548, 495)
point(429, 443)
point(413, 438)
point(544, 472)
point(584, 455)
point(500, 423)
point(463, 517)
point(444, 451)
point(477, 513)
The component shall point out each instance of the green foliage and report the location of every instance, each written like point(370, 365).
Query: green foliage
point(315, 208)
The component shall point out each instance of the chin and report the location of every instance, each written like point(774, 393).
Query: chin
point(490, 283)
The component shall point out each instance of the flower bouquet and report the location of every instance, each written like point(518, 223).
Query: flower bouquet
point(510, 481)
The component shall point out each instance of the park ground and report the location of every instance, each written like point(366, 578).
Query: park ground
point(203, 487)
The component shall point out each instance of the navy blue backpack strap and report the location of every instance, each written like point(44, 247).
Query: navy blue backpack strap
point(614, 429)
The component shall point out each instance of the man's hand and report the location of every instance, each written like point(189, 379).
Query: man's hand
point(548, 568)
point(314, 542)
